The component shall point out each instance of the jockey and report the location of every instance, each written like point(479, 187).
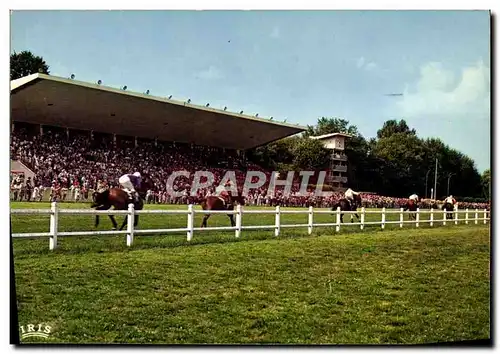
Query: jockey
point(221, 191)
point(101, 186)
point(130, 183)
point(414, 197)
point(349, 195)
point(450, 200)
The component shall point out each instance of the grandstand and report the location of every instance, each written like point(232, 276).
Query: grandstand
point(75, 133)
point(48, 100)
point(67, 130)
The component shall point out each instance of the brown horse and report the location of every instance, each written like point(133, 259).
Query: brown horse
point(345, 205)
point(449, 210)
point(119, 200)
point(411, 206)
point(214, 203)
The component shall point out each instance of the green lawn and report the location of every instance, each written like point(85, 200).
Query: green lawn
point(393, 286)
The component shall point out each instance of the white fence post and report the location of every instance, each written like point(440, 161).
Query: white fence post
point(277, 224)
point(417, 217)
point(485, 215)
point(476, 217)
point(190, 222)
point(444, 216)
point(382, 224)
point(237, 233)
point(310, 221)
point(337, 227)
point(456, 214)
point(53, 225)
point(363, 210)
point(130, 224)
point(467, 215)
point(401, 217)
point(431, 219)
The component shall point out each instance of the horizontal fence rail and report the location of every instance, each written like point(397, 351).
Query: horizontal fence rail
point(434, 217)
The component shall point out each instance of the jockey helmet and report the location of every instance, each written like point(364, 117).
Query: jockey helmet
point(137, 174)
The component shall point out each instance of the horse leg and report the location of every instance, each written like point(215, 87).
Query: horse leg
point(124, 223)
point(102, 207)
point(113, 221)
point(136, 220)
point(232, 220)
point(204, 222)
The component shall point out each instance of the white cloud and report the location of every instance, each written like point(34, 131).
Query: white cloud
point(362, 64)
point(370, 66)
point(438, 92)
point(211, 73)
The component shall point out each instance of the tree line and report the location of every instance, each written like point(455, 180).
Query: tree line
point(396, 163)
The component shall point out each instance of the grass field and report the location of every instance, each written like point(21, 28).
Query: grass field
point(394, 286)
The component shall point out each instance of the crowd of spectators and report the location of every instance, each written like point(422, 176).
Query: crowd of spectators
point(69, 158)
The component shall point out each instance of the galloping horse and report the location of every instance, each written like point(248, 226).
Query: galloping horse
point(345, 205)
point(119, 199)
point(411, 206)
point(449, 210)
point(215, 203)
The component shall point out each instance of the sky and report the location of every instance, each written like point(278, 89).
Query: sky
point(293, 65)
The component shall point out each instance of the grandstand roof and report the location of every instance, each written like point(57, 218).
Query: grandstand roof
point(51, 100)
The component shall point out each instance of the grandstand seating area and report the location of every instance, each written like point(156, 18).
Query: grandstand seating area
point(66, 156)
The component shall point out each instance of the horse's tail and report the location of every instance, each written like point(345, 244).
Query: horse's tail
point(204, 205)
point(335, 207)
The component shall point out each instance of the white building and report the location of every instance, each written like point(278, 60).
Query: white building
point(337, 174)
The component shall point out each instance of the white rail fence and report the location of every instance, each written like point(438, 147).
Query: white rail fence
point(435, 217)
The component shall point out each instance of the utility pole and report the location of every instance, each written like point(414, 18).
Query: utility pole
point(426, 176)
point(435, 180)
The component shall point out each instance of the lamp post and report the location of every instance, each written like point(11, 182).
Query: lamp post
point(426, 176)
point(435, 179)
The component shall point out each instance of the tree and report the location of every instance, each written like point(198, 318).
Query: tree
point(272, 155)
point(331, 125)
point(403, 160)
point(486, 183)
point(396, 163)
point(26, 63)
point(310, 154)
point(391, 127)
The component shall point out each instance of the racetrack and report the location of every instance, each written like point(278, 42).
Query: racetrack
point(394, 286)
